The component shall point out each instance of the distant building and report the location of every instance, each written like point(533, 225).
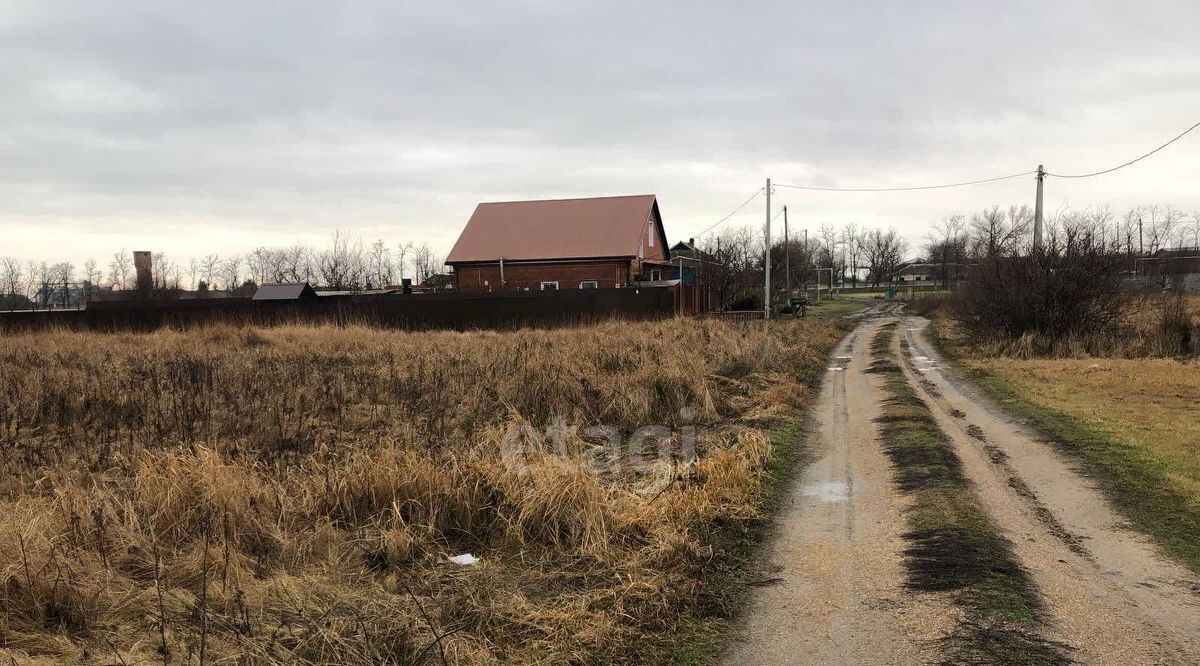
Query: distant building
point(685, 262)
point(143, 265)
point(437, 282)
point(1175, 269)
point(1170, 262)
point(922, 272)
point(561, 244)
point(72, 295)
point(285, 291)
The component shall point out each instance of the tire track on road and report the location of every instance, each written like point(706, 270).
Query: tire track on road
point(838, 545)
point(1111, 594)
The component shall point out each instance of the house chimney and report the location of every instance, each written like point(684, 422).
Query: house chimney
point(143, 264)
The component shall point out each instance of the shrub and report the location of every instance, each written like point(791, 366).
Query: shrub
point(1069, 288)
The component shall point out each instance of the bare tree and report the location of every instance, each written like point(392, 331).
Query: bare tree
point(342, 265)
point(210, 266)
point(11, 276)
point(193, 273)
point(258, 263)
point(733, 268)
point(58, 283)
point(884, 252)
point(1102, 221)
point(828, 258)
point(162, 271)
point(994, 232)
point(297, 263)
point(404, 249)
point(230, 272)
point(1129, 230)
point(853, 244)
point(119, 269)
point(35, 273)
point(91, 278)
point(12, 284)
point(947, 245)
point(425, 263)
point(1159, 226)
point(380, 264)
point(175, 277)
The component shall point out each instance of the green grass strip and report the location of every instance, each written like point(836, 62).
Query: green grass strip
point(953, 544)
point(1137, 485)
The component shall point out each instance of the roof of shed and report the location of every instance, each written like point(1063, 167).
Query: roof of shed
point(284, 291)
point(555, 229)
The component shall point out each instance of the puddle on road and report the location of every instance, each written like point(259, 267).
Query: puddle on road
point(842, 363)
point(923, 364)
point(830, 491)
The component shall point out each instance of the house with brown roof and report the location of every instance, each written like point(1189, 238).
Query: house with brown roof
point(600, 242)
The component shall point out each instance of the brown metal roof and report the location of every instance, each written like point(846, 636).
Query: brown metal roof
point(555, 229)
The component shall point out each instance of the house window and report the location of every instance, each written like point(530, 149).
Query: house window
point(655, 275)
point(650, 232)
point(589, 284)
point(550, 286)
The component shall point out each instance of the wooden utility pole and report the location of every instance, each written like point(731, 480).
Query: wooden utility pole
point(1037, 210)
point(787, 259)
point(767, 266)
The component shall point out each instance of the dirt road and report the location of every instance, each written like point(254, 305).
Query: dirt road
point(839, 597)
point(836, 559)
point(1112, 595)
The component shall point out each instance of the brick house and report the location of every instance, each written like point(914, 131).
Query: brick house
point(600, 242)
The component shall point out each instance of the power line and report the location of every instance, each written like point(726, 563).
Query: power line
point(906, 189)
point(1133, 161)
point(732, 212)
point(966, 183)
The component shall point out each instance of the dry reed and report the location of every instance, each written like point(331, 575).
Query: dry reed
point(292, 494)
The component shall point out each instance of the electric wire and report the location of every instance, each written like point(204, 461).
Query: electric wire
point(732, 212)
point(911, 188)
point(1133, 161)
point(905, 189)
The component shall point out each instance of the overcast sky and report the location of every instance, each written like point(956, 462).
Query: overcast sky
point(200, 127)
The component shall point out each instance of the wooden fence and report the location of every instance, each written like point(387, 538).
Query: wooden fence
point(498, 310)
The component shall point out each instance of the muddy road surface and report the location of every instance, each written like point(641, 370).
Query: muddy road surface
point(837, 594)
point(834, 580)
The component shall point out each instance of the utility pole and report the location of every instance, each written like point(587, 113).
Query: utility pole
point(1141, 249)
point(1037, 210)
point(787, 259)
point(724, 275)
point(806, 262)
point(767, 265)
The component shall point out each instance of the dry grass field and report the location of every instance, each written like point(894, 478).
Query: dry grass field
point(291, 495)
point(1125, 403)
point(1151, 403)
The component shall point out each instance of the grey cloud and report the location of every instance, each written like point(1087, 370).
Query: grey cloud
point(402, 115)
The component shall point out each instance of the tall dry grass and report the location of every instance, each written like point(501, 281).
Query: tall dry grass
point(1150, 326)
point(292, 494)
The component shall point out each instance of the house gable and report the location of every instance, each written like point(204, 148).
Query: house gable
point(659, 250)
